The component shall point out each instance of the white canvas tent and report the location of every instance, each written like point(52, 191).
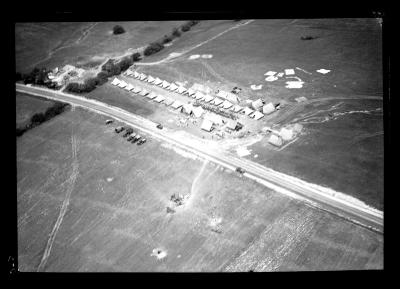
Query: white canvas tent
point(137, 89)
point(187, 108)
point(247, 111)
point(181, 89)
point(206, 125)
point(157, 81)
point(190, 92)
point(214, 118)
point(198, 111)
point(150, 79)
point(217, 101)
point(268, 108)
point(199, 95)
point(172, 87)
point(275, 140)
point(226, 104)
point(116, 81)
point(144, 92)
point(177, 104)
point(208, 98)
point(237, 108)
point(136, 74)
point(168, 101)
point(142, 76)
point(122, 84)
point(152, 95)
point(165, 84)
point(228, 96)
point(257, 115)
point(129, 72)
point(129, 87)
point(257, 104)
point(159, 98)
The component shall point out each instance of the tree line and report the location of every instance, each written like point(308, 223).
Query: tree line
point(38, 118)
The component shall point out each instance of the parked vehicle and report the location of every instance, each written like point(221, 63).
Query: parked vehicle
point(159, 126)
point(108, 121)
point(131, 137)
point(240, 170)
point(136, 138)
point(142, 141)
point(119, 129)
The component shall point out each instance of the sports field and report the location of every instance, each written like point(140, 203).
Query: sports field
point(90, 201)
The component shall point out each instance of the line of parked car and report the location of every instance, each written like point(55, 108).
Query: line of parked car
point(129, 134)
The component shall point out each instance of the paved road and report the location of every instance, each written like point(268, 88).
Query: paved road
point(283, 183)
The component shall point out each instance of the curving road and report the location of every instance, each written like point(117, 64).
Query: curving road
point(313, 194)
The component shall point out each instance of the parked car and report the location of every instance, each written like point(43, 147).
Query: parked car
point(131, 137)
point(136, 138)
point(108, 121)
point(240, 170)
point(159, 126)
point(119, 129)
point(142, 141)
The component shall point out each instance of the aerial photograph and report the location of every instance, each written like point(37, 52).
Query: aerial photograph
point(206, 145)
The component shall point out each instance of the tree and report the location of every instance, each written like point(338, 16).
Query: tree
point(118, 29)
point(166, 39)
point(153, 48)
point(38, 118)
point(175, 32)
point(125, 63)
point(136, 56)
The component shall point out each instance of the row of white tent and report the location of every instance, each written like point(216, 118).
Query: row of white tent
point(197, 94)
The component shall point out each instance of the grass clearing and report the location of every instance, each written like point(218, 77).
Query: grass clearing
point(28, 105)
point(115, 225)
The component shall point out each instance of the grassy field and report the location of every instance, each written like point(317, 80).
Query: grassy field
point(81, 43)
point(28, 105)
point(115, 195)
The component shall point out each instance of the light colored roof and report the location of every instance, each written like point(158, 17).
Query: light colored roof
point(208, 98)
point(257, 103)
point(122, 84)
point(268, 108)
point(129, 87)
point(173, 86)
point(275, 140)
point(157, 81)
point(152, 95)
point(159, 98)
point(286, 134)
point(168, 101)
point(198, 111)
point(181, 89)
point(177, 104)
point(165, 84)
point(136, 74)
point(199, 95)
point(257, 115)
point(144, 92)
point(150, 79)
point(129, 72)
point(217, 101)
point(247, 111)
point(137, 89)
point(206, 125)
point(215, 118)
point(226, 104)
point(116, 81)
point(237, 108)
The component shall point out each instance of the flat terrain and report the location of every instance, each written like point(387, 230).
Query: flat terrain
point(81, 43)
point(28, 105)
point(103, 203)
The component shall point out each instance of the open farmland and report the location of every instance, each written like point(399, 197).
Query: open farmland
point(109, 199)
point(27, 106)
point(82, 44)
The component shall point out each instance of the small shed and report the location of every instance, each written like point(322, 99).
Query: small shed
point(275, 140)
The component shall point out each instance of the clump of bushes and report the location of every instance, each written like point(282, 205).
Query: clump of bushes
point(175, 32)
point(118, 29)
point(153, 48)
point(166, 39)
point(40, 117)
point(188, 25)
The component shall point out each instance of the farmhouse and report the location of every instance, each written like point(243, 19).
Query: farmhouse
point(286, 134)
point(257, 104)
point(275, 140)
point(207, 125)
point(268, 108)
